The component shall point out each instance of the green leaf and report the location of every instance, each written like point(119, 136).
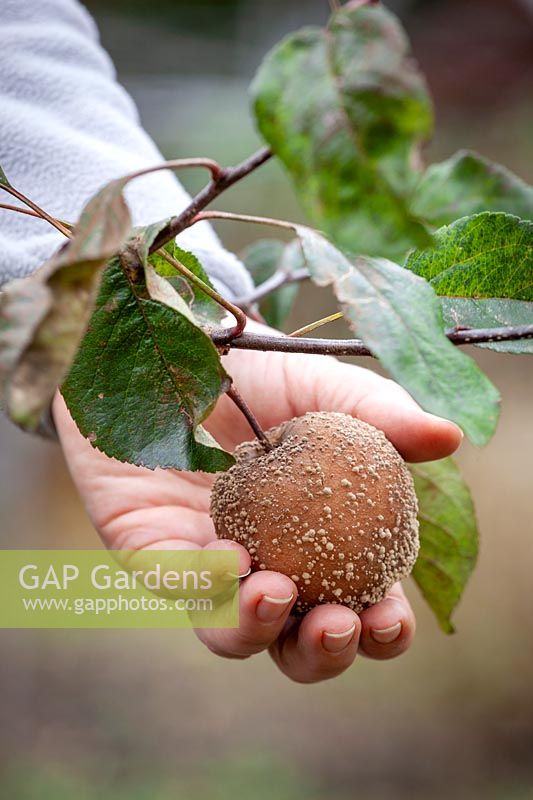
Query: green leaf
point(448, 537)
point(468, 184)
point(145, 377)
point(399, 318)
point(490, 313)
point(262, 259)
point(487, 255)
point(204, 308)
point(346, 110)
point(137, 256)
point(162, 290)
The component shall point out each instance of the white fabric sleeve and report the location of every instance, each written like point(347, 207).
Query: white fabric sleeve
point(67, 128)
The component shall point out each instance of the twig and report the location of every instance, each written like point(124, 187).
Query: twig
point(355, 347)
point(254, 313)
point(18, 209)
point(276, 281)
point(229, 215)
point(39, 212)
point(289, 344)
point(317, 324)
point(217, 173)
point(225, 178)
point(487, 335)
point(239, 315)
point(182, 163)
point(239, 401)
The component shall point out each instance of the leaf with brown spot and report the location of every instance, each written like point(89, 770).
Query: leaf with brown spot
point(347, 111)
point(146, 376)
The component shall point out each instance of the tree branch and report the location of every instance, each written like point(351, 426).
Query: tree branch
point(225, 178)
point(355, 347)
point(515, 333)
point(20, 210)
point(251, 218)
point(38, 211)
point(276, 281)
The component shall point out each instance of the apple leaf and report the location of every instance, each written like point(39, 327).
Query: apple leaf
point(206, 310)
point(486, 255)
point(490, 313)
point(23, 304)
point(469, 184)
point(262, 259)
point(398, 316)
point(146, 376)
point(448, 536)
point(346, 110)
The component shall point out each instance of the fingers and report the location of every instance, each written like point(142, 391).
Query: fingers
point(301, 383)
point(388, 628)
point(227, 544)
point(130, 506)
point(417, 435)
point(322, 646)
point(265, 601)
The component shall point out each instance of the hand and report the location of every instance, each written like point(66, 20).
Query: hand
point(136, 508)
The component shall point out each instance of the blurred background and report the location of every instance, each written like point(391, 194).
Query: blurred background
point(152, 715)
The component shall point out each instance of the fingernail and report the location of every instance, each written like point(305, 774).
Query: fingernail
point(230, 576)
point(270, 609)
point(337, 642)
point(449, 421)
point(386, 635)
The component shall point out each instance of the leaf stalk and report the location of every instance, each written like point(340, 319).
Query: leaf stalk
point(238, 313)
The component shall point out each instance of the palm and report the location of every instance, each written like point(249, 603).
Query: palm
point(128, 503)
point(135, 508)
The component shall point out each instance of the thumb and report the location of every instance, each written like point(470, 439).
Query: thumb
point(335, 386)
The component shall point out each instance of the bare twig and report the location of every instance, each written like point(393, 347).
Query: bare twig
point(39, 212)
point(239, 401)
point(355, 347)
point(182, 163)
point(289, 344)
point(20, 210)
point(254, 220)
point(239, 315)
point(486, 335)
point(219, 183)
point(276, 281)
point(217, 174)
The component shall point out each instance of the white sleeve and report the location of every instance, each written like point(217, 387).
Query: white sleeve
point(66, 128)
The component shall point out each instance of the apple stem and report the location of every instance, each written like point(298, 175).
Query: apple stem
point(241, 404)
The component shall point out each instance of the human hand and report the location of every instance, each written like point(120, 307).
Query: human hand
point(135, 508)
